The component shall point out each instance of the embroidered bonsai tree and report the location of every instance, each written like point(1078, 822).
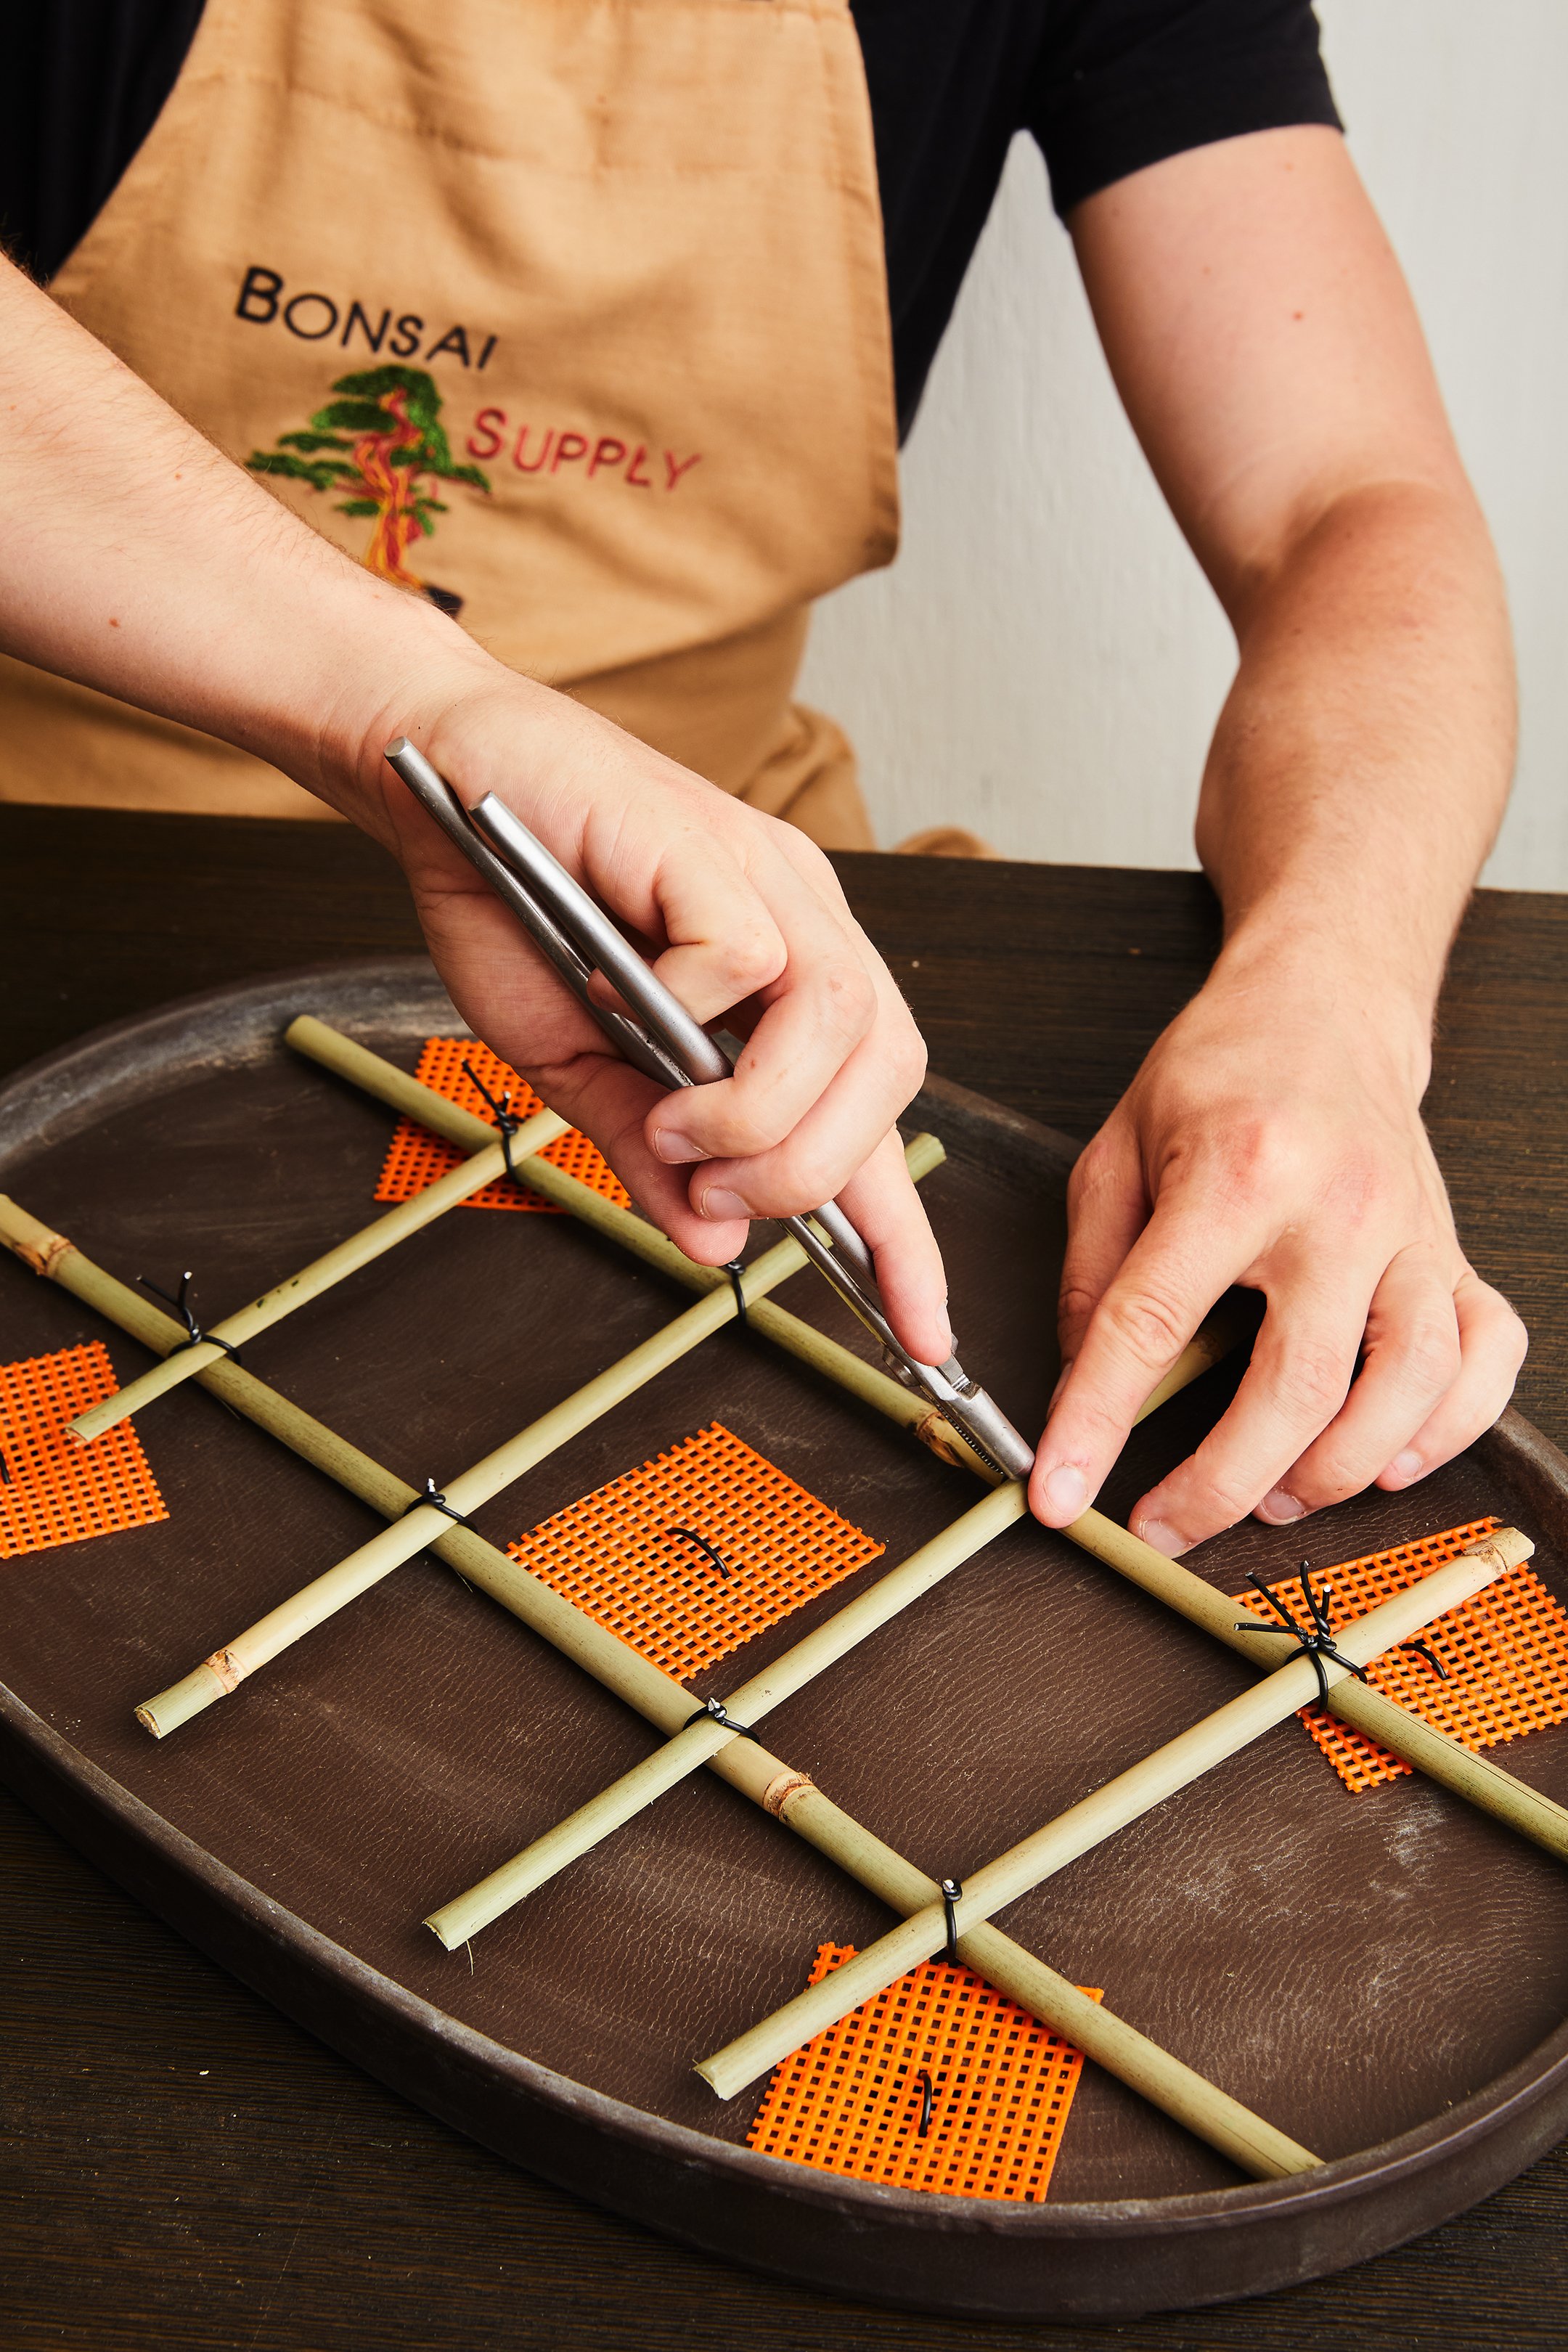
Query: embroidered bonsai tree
point(384, 441)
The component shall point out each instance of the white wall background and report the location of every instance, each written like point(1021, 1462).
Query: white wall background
point(1046, 660)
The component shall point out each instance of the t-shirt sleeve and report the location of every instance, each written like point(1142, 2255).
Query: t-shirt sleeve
point(1124, 83)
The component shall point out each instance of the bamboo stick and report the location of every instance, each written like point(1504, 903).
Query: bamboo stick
point(314, 1603)
point(457, 1921)
point(1258, 2147)
point(410, 1095)
point(373, 1241)
point(1126, 1798)
point(1416, 1742)
point(1478, 1780)
point(1250, 2142)
point(225, 1669)
point(580, 1637)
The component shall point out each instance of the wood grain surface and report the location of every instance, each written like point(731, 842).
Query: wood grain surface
point(179, 2165)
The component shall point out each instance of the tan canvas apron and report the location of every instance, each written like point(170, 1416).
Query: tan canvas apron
point(607, 275)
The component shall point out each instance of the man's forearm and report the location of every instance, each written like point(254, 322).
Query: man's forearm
point(1361, 765)
point(1272, 361)
point(135, 558)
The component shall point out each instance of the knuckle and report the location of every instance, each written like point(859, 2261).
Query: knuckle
point(1329, 1477)
point(1218, 1495)
point(1314, 1379)
point(1255, 1177)
point(1512, 1339)
point(1076, 1303)
point(848, 992)
point(1093, 1167)
point(795, 1179)
point(904, 1057)
point(749, 958)
point(1151, 1326)
point(816, 1178)
point(1489, 1322)
point(1221, 1505)
point(1262, 1158)
point(745, 1133)
point(1430, 1354)
point(812, 861)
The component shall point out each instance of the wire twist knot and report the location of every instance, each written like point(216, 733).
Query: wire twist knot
point(507, 1123)
point(180, 1300)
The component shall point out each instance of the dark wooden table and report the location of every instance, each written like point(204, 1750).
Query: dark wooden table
point(180, 2167)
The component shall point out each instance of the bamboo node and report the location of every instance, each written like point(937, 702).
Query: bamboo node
point(782, 1789)
point(45, 1255)
point(226, 1666)
point(1507, 1544)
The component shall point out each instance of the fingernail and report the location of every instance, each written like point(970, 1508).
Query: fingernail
point(1282, 1508)
point(1404, 1467)
point(1159, 1538)
point(721, 1205)
point(1064, 1494)
point(675, 1147)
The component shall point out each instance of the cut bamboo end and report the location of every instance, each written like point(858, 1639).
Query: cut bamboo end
point(181, 1700)
point(460, 1919)
point(1511, 1545)
point(924, 1154)
point(169, 1374)
point(1478, 1780)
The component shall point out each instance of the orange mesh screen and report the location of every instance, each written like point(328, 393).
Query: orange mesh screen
point(851, 2101)
point(52, 1489)
point(616, 1553)
point(1506, 1651)
point(417, 1158)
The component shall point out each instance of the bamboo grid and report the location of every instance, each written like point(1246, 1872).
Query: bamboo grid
point(708, 1735)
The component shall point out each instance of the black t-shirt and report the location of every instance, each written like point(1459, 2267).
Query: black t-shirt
point(1105, 85)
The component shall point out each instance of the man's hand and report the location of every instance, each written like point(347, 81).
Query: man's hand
point(746, 923)
point(1267, 351)
point(1273, 1138)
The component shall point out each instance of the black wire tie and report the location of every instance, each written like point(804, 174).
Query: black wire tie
point(927, 2100)
point(505, 1125)
point(951, 1891)
point(1318, 1643)
point(715, 1559)
point(180, 1300)
point(1432, 1660)
point(433, 1497)
point(735, 1270)
point(714, 1710)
